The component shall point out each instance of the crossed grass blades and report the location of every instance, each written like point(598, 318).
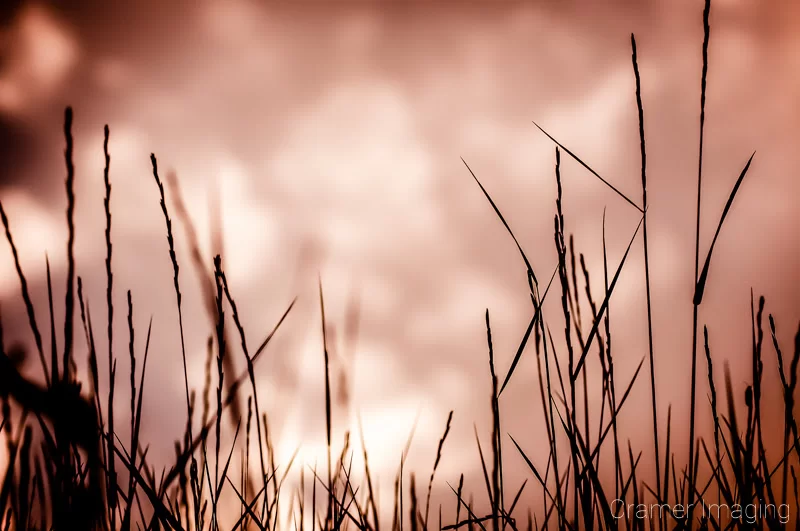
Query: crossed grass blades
point(68, 468)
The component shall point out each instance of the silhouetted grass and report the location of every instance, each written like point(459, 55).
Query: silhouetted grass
point(68, 467)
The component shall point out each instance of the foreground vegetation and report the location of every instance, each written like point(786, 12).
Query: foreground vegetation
point(68, 468)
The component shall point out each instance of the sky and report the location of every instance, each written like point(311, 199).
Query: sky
point(330, 136)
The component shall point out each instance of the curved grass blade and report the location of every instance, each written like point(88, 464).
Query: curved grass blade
point(701, 281)
point(505, 224)
point(527, 335)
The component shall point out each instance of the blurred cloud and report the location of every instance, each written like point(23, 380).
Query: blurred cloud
point(41, 54)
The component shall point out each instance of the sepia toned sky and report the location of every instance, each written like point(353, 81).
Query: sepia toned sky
point(330, 136)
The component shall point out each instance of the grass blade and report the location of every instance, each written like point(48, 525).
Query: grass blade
point(603, 307)
point(531, 275)
point(701, 281)
point(579, 161)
